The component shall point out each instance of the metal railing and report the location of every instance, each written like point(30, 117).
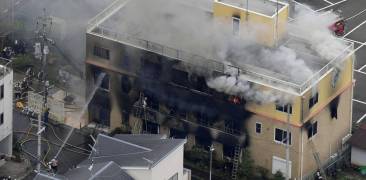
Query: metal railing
point(95, 27)
point(155, 116)
point(314, 78)
point(115, 5)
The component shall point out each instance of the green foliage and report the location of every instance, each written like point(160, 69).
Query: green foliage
point(121, 130)
point(22, 62)
point(278, 176)
point(246, 167)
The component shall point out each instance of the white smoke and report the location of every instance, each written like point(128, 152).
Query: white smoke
point(314, 26)
point(180, 26)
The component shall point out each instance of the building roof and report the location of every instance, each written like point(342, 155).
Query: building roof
point(266, 7)
point(167, 27)
point(357, 138)
point(105, 170)
point(47, 176)
point(132, 151)
point(108, 170)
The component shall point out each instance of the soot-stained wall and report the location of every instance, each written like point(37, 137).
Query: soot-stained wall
point(165, 83)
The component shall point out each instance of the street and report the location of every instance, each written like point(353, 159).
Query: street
point(53, 138)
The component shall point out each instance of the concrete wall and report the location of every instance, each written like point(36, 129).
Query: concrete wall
point(262, 147)
point(165, 169)
point(358, 156)
point(169, 166)
point(139, 174)
point(263, 26)
point(6, 107)
point(327, 140)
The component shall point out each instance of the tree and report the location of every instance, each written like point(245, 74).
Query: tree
point(278, 176)
point(246, 167)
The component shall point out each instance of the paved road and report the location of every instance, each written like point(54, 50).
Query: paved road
point(68, 158)
point(355, 13)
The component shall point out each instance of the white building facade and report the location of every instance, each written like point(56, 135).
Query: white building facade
point(6, 110)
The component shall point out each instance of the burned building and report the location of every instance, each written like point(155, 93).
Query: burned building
point(223, 73)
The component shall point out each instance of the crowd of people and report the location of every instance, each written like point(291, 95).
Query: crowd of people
point(18, 47)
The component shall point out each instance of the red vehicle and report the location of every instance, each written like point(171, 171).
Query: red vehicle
point(338, 27)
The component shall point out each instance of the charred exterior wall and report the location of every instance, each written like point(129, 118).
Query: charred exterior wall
point(178, 101)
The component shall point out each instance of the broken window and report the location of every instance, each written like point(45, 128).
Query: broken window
point(258, 127)
point(101, 52)
point(99, 109)
point(199, 83)
point(313, 100)
point(236, 25)
point(228, 150)
point(1, 118)
point(151, 70)
point(151, 100)
point(105, 82)
point(180, 77)
point(334, 107)
point(125, 84)
point(178, 134)
point(284, 108)
point(150, 127)
point(312, 129)
point(2, 91)
point(203, 142)
point(203, 119)
point(281, 136)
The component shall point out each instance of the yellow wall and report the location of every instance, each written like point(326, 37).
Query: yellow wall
point(300, 105)
point(325, 89)
point(264, 26)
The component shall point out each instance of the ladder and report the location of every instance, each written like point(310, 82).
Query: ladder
point(137, 127)
point(317, 159)
point(236, 159)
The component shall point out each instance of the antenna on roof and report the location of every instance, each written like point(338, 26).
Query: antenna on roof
point(276, 38)
point(247, 13)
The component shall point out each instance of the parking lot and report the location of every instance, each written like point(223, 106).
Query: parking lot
point(354, 13)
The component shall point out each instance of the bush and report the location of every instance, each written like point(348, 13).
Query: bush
point(22, 62)
point(246, 167)
point(121, 130)
point(278, 176)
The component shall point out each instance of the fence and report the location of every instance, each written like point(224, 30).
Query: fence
point(95, 27)
point(57, 111)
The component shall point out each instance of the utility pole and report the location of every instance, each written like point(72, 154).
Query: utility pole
point(288, 143)
point(211, 150)
point(292, 8)
point(41, 51)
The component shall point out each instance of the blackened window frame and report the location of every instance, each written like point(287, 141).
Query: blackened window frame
point(312, 129)
point(236, 25)
point(282, 134)
point(313, 100)
point(2, 89)
point(258, 128)
point(101, 52)
point(283, 108)
point(1, 118)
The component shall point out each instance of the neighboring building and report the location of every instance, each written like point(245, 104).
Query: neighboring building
point(6, 108)
point(131, 157)
point(151, 85)
point(358, 151)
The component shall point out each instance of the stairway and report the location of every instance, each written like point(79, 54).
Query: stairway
point(236, 159)
point(317, 159)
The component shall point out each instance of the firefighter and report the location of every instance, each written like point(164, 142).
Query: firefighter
point(318, 175)
point(53, 165)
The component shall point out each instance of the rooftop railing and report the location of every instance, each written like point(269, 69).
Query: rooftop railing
point(95, 27)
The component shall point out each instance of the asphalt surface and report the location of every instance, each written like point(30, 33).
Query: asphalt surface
point(354, 11)
point(69, 157)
